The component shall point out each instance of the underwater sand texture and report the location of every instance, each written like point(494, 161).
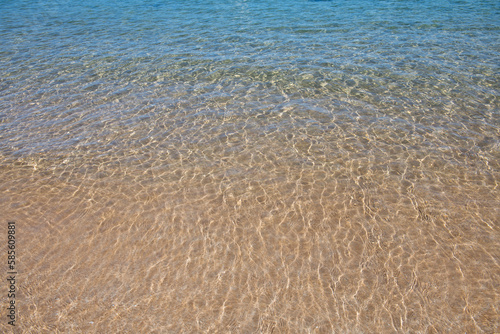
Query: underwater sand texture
point(251, 167)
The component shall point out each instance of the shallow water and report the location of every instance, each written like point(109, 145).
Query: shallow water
point(252, 167)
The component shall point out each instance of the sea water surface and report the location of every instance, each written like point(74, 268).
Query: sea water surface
point(231, 166)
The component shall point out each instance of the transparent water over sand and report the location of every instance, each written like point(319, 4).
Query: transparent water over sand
point(252, 167)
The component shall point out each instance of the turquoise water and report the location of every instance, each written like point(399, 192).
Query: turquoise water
point(425, 62)
point(253, 166)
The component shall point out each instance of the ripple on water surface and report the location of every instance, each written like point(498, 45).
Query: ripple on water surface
point(245, 166)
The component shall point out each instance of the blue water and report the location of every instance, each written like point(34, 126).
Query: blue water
point(385, 53)
point(316, 114)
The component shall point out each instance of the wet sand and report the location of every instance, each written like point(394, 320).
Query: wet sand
point(273, 236)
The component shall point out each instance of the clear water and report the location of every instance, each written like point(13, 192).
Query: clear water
point(252, 166)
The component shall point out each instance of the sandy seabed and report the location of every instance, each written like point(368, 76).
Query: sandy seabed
point(233, 238)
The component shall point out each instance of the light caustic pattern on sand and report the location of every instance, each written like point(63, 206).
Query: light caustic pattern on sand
point(326, 225)
point(252, 167)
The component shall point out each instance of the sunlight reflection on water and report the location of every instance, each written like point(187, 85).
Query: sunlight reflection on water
point(244, 166)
